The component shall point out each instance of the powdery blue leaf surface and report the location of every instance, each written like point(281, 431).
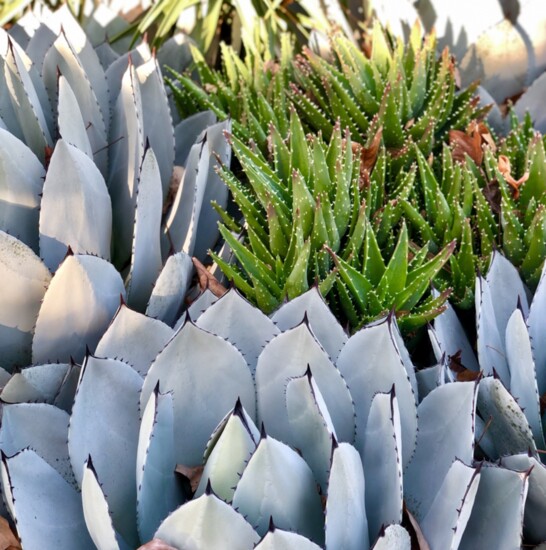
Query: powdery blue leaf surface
point(134, 338)
point(394, 537)
point(523, 385)
point(62, 57)
point(227, 453)
point(187, 132)
point(371, 362)
point(96, 511)
point(444, 525)
point(452, 338)
point(278, 483)
point(535, 322)
point(446, 433)
point(167, 299)
point(65, 396)
point(382, 460)
point(322, 321)
point(105, 425)
point(206, 375)
point(146, 261)
point(158, 492)
point(508, 428)
point(126, 152)
point(72, 128)
point(496, 521)
point(26, 104)
point(346, 522)
point(40, 383)
point(46, 509)
point(534, 528)
point(189, 526)
point(428, 379)
point(288, 356)
point(43, 428)
point(21, 182)
point(310, 425)
point(277, 539)
point(232, 317)
point(24, 282)
point(158, 126)
point(77, 308)
point(203, 301)
point(531, 101)
point(78, 215)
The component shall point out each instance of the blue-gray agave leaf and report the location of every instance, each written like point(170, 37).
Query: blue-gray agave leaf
point(158, 493)
point(508, 427)
point(167, 298)
point(62, 57)
point(534, 529)
point(535, 322)
point(42, 427)
point(24, 275)
point(322, 321)
point(371, 362)
point(531, 101)
point(287, 356)
point(146, 256)
point(446, 433)
point(206, 375)
point(134, 338)
point(310, 425)
point(48, 513)
point(126, 153)
point(278, 539)
point(188, 131)
point(382, 460)
point(445, 522)
point(395, 537)
point(97, 513)
point(105, 425)
point(346, 523)
point(40, 383)
point(278, 483)
point(190, 526)
point(523, 384)
point(158, 125)
point(78, 215)
point(235, 319)
point(496, 520)
point(72, 127)
point(76, 310)
point(452, 338)
point(192, 222)
point(26, 104)
point(227, 453)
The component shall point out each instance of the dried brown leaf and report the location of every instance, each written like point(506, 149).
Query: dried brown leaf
point(505, 169)
point(463, 374)
point(191, 473)
point(418, 541)
point(493, 195)
point(156, 544)
point(207, 280)
point(8, 540)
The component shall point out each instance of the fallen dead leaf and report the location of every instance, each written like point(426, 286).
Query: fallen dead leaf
point(8, 540)
point(505, 169)
point(463, 374)
point(207, 280)
point(368, 157)
point(192, 473)
point(418, 541)
point(156, 544)
point(471, 142)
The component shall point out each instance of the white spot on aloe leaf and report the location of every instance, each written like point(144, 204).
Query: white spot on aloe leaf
point(48, 514)
point(190, 526)
point(105, 416)
point(24, 282)
point(287, 356)
point(245, 326)
point(22, 176)
point(134, 338)
point(371, 362)
point(75, 209)
point(77, 308)
point(277, 482)
point(206, 375)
